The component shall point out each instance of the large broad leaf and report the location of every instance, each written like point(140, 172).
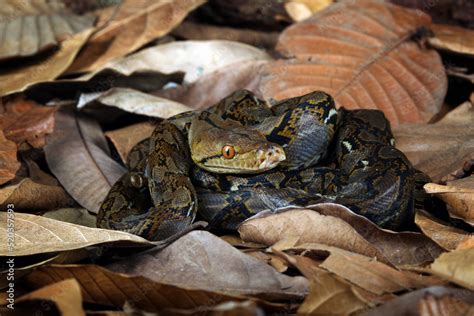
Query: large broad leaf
point(78, 155)
point(360, 52)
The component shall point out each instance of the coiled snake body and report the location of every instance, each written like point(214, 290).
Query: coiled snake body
point(240, 157)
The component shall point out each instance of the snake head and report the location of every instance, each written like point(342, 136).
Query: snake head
point(225, 146)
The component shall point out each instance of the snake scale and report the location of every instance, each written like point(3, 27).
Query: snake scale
point(241, 157)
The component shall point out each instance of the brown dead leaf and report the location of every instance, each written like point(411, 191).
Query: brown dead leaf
point(408, 304)
point(361, 53)
point(446, 236)
point(25, 120)
point(125, 138)
point(231, 308)
point(133, 24)
point(456, 266)
point(459, 195)
point(46, 68)
point(33, 29)
point(306, 226)
point(26, 194)
point(78, 155)
point(9, 165)
point(452, 38)
point(446, 305)
point(102, 286)
point(65, 295)
point(201, 260)
point(442, 148)
point(218, 85)
point(37, 234)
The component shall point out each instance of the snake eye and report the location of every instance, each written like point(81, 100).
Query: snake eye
point(228, 152)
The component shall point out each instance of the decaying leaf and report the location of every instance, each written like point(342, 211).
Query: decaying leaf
point(65, 295)
point(201, 260)
point(446, 236)
point(78, 155)
point(132, 25)
point(459, 195)
point(36, 234)
point(442, 148)
point(194, 58)
point(9, 165)
point(456, 266)
point(446, 305)
point(14, 79)
point(452, 38)
point(25, 120)
point(27, 194)
point(125, 138)
point(134, 101)
point(102, 286)
point(360, 53)
point(30, 30)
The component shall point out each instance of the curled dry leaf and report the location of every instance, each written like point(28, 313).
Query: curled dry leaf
point(446, 305)
point(217, 85)
point(28, 32)
point(442, 148)
point(452, 38)
point(456, 266)
point(408, 303)
point(125, 138)
point(361, 53)
point(134, 101)
point(459, 195)
point(15, 79)
point(194, 58)
point(27, 194)
point(65, 295)
point(25, 120)
point(132, 24)
point(36, 234)
point(102, 286)
point(78, 155)
point(9, 165)
point(446, 236)
point(201, 260)
point(198, 31)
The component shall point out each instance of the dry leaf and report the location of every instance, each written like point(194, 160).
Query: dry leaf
point(230, 308)
point(29, 33)
point(66, 296)
point(300, 10)
point(79, 216)
point(306, 226)
point(442, 148)
point(446, 305)
point(133, 25)
point(446, 236)
point(78, 155)
point(198, 31)
point(134, 101)
point(102, 286)
point(212, 88)
point(47, 68)
point(456, 266)
point(9, 165)
point(453, 38)
point(201, 260)
point(125, 138)
point(25, 120)
point(361, 53)
point(36, 234)
point(29, 195)
point(194, 58)
point(459, 195)
point(408, 304)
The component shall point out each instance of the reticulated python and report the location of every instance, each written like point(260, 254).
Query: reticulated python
point(241, 157)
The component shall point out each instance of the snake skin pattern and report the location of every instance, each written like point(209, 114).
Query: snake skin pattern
point(241, 157)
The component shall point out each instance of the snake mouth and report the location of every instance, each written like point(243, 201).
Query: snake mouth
point(270, 157)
